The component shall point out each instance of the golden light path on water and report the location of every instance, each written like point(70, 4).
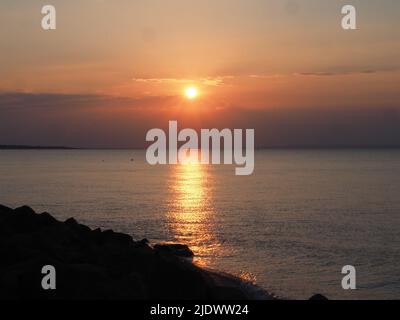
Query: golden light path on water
point(191, 215)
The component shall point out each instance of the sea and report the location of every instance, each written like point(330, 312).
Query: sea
point(290, 227)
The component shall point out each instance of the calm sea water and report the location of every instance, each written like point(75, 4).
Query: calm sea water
point(291, 226)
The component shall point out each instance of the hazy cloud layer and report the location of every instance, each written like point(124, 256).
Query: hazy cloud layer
point(112, 122)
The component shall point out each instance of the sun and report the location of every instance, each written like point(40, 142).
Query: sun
point(191, 93)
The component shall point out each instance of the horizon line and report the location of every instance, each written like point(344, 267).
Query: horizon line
point(40, 147)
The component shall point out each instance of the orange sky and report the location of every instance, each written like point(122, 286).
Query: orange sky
point(243, 53)
point(240, 54)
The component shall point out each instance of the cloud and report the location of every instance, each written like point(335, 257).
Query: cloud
point(105, 121)
point(322, 73)
point(329, 74)
point(347, 73)
point(210, 81)
point(223, 80)
point(18, 100)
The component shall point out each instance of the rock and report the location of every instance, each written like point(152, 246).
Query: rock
point(318, 297)
point(96, 264)
point(71, 222)
point(180, 250)
point(228, 293)
point(25, 210)
point(142, 244)
point(109, 236)
point(47, 219)
point(5, 210)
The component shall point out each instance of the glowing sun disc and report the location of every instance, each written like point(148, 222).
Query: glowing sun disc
point(191, 93)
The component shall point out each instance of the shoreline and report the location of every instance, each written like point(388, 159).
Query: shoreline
point(103, 264)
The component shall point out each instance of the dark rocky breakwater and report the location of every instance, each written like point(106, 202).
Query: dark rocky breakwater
point(96, 264)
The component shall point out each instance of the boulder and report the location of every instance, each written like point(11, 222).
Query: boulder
point(180, 250)
point(318, 297)
point(96, 264)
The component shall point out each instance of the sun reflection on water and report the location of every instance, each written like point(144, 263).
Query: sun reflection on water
point(191, 215)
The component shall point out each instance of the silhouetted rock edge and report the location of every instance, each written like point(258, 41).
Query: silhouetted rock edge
point(97, 264)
